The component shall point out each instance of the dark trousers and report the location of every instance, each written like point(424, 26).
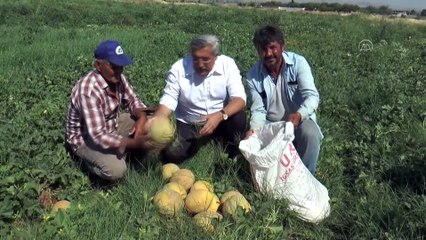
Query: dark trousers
point(228, 132)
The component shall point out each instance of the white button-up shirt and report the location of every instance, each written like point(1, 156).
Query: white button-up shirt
point(191, 96)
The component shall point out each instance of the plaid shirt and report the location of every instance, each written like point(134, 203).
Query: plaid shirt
point(94, 110)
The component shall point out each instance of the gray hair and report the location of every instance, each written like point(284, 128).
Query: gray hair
point(203, 41)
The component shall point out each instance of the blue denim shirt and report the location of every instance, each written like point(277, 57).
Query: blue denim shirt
point(298, 89)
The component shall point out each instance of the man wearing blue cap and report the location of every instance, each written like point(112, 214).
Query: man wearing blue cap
point(96, 130)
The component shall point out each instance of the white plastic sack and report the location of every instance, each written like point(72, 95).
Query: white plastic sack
point(277, 168)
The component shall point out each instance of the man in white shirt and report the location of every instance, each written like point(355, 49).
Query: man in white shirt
point(206, 93)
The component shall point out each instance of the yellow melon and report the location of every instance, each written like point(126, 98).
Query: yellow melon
point(162, 130)
point(201, 200)
point(204, 220)
point(184, 177)
point(227, 195)
point(168, 202)
point(230, 206)
point(63, 204)
point(202, 185)
point(174, 186)
point(168, 169)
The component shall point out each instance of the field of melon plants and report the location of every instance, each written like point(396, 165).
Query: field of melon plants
point(372, 113)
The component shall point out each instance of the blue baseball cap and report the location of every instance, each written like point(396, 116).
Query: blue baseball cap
point(111, 51)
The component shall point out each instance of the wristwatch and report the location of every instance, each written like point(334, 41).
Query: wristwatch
point(224, 115)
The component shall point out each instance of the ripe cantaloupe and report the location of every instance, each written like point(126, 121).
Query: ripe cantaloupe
point(201, 200)
point(63, 204)
point(168, 169)
point(230, 206)
point(202, 185)
point(162, 130)
point(168, 202)
point(204, 220)
point(228, 194)
point(174, 186)
point(184, 177)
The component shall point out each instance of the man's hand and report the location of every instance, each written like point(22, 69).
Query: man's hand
point(295, 118)
point(249, 133)
point(122, 148)
point(139, 129)
point(138, 142)
point(212, 121)
point(147, 127)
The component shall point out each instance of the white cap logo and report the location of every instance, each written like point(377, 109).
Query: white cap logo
point(119, 50)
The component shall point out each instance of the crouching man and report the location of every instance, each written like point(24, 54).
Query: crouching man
point(282, 88)
point(206, 94)
point(97, 132)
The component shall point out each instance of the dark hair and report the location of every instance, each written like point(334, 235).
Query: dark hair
point(267, 34)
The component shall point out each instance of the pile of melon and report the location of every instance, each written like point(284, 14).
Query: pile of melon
point(198, 198)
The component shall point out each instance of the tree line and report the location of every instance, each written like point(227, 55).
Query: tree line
point(331, 7)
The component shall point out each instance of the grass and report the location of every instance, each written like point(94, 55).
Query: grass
point(372, 113)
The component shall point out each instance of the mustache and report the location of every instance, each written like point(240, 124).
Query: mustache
point(116, 78)
point(202, 68)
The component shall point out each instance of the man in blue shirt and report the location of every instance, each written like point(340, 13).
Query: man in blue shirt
point(282, 88)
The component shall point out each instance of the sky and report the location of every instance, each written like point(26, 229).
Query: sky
point(393, 4)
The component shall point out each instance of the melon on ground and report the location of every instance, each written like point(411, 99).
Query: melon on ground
point(168, 202)
point(174, 186)
point(63, 204)
point(168, 169)
point(202, 185)
point(204, 219)
point(231, 205)
point(228, 194)
point(201, 200)
point(184, 177)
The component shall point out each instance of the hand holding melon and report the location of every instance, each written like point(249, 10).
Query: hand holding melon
point(160, 130)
